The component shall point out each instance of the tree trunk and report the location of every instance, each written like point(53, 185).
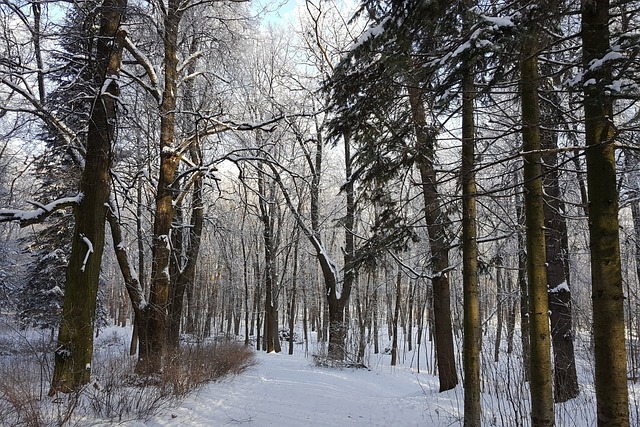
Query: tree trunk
point(75, 340)
point(606, 277)
point(541, 383)
point(471, 320)
point(557, 248)
point(133, 347)
point(410, 297)
point(396, 313)
point(293, 307)
point(245, 281)
point(154, 346)
point(500, 298)
point(436, 220)
point(511, 315)
point(271, 339)
point(376, 335)
point(524, 290)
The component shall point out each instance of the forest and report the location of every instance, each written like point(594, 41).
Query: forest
point(455, 183)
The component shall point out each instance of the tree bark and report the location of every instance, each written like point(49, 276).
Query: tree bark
point(606, 276)
point(396, 313)
point(539, 335)
point(500, 298)
point(272, 342)
point(154, 345)
point(565, 378)
point(524, 289)
point(436, 220)
point(471, 320)
point(293, 307)
point(75, 340)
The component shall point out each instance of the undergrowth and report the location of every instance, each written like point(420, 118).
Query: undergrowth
point(115, 393)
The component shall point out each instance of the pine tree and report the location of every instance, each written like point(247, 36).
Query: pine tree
point(58, 169)
point(604, 236)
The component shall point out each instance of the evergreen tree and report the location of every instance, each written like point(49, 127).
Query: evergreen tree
point(610, 353)
point(381, 91)
point(58, 168)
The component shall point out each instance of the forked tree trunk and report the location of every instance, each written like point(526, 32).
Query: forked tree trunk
point(75, 340)
point(606, 276)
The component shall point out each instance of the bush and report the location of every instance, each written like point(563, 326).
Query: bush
point(195, 366)
point(115, 392)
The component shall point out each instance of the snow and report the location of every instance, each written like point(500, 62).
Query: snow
point(370, 33)
point(289, 391)
point(499, 21)
point(89, 251)
point(26, 215)
point(610, 56)
point(562, 287)
point(55, 291)
point(104, 90)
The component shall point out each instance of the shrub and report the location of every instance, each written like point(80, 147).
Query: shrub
point(115, 392)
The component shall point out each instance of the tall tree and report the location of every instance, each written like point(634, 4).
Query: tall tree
point(75, 339)
point(539, 335)
point(381, 95)
point(604, 240)
point(471, 317)
point(556, 235)
point(565, 378)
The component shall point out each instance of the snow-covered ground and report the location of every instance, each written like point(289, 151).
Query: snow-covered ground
point(289, 391)
point(283, 390)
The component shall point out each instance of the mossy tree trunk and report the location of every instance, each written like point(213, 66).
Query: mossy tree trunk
point(75, 339)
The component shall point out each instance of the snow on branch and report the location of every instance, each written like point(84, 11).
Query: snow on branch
point(29, 217)
point(142, 59)
point(87, 242)
point(193, 57)
point(65, 131)
point(215, 126)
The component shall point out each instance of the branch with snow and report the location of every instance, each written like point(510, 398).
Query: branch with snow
point(65, 132)
point(142, 59)
point(87, 242)
point(30, 217)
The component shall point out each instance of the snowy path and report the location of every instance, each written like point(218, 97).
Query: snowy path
point(288, 391)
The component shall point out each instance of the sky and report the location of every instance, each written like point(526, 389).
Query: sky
point(276, 11)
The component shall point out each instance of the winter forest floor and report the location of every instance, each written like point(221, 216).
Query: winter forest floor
point(291, 390)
